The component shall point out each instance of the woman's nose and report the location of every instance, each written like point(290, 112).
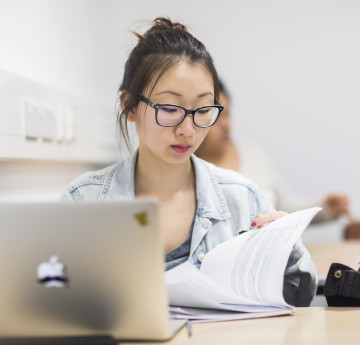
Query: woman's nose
point(187, 127)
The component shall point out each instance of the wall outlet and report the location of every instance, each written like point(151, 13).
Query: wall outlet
point(44, 123)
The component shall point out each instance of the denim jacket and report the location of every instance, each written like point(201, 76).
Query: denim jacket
point(227, 203)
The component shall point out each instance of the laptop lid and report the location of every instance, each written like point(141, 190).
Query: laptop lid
point(75, 269)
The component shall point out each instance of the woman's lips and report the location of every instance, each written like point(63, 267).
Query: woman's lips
point(180, 148)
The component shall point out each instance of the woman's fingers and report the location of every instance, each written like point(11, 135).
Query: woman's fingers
point(262, 219)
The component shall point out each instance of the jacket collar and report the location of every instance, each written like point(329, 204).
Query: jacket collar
point(122, 185)
point(211, 202)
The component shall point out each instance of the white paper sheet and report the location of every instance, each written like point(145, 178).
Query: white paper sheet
point(243, 274)
point(252, 265)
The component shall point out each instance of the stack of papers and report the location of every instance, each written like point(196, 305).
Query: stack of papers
point(240, 278)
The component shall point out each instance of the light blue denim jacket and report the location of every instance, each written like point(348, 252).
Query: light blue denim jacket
point(227, 203)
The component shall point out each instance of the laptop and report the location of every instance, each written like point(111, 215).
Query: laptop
point(84, 270)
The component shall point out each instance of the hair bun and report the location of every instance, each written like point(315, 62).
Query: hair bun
point(161, 24)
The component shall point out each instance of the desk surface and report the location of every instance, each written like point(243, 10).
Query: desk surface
point(331, 326)
point(323, 255)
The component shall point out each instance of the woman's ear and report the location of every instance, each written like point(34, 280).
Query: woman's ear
point(124, 99)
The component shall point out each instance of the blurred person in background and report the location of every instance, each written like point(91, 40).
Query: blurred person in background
point(248, 159)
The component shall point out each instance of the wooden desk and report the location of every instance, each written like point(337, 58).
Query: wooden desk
point(323, 255)
point(330, 326)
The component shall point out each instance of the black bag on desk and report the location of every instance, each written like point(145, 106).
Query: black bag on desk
point(342, 286)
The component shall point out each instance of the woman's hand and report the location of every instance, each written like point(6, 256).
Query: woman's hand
point(262, 219)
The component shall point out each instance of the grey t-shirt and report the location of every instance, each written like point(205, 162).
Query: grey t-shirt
point(179, 254)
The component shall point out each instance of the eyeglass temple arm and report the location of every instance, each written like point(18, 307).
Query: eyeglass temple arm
point(141, 97)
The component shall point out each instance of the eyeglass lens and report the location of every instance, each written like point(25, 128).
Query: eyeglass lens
point(170, 115)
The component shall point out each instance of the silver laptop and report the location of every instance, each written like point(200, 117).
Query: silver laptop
point(83, 269)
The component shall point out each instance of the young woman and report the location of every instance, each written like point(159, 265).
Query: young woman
point(170, 91)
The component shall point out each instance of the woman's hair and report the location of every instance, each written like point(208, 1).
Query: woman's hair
point(160, 48)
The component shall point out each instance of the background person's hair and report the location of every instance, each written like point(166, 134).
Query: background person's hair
point(161, 47)
point(223, 89)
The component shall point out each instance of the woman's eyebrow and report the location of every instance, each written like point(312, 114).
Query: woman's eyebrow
point(169, 92)
point(206, 94)
point(180, 95)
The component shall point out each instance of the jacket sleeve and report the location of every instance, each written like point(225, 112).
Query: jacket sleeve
point(300, 278)
point(66, 196)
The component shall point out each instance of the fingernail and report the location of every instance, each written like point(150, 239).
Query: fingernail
point(253, 224)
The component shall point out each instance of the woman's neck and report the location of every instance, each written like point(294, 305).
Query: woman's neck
point(154, 177)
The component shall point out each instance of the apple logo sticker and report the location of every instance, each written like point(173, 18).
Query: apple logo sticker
point(52, 273)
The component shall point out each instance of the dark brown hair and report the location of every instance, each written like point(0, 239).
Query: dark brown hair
point(161, 47)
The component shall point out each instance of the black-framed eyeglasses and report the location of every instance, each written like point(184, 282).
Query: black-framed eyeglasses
point(171, 115)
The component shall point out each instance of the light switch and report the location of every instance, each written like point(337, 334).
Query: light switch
point(60, 125)
point(32, 119)
point(49, 122)
point(69, 121)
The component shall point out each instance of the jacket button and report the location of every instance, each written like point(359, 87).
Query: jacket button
point(201, 257)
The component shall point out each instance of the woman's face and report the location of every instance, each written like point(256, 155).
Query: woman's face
point(185, 85)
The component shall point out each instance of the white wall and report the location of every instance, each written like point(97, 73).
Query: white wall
point(292, 67)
